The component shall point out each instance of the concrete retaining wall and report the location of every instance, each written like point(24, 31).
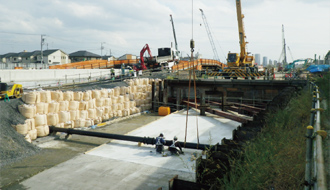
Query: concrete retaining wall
point(52, 74)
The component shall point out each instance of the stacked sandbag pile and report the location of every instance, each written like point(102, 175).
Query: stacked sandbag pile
point(83, 109)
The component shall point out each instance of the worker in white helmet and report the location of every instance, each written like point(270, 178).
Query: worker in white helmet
point(160, 141)
point(173, 148)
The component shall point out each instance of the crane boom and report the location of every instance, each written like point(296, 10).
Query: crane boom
point(176, 43)
point(241, 32)
point(210, 36)
point(242, 59)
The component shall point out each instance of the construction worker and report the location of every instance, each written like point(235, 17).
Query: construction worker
point(173, 149)
point(6, 98)
point(112, 70)
point(131, 72)
point(123, 69)
point(160, 141)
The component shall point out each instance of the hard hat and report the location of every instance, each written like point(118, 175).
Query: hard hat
point(175, 138)
point(161, 134)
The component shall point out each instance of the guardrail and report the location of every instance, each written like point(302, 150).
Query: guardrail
point(314, 170)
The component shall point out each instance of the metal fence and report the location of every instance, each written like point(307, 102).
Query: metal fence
point(315, 171)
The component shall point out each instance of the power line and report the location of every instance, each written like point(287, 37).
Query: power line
point(18, 33)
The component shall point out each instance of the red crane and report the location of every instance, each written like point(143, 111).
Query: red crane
point(146, 47)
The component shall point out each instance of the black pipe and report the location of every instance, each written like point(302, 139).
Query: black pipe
point(145, 140)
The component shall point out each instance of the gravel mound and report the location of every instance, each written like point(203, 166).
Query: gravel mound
point(13, 145)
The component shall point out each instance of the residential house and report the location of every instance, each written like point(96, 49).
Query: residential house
point(83, 56)
point(54, 57)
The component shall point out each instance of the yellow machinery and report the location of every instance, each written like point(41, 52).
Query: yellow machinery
point(239, 64)
point(12, 90)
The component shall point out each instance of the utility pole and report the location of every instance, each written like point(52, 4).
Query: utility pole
point(284, 48)
point(42, 43)
point(102, 47)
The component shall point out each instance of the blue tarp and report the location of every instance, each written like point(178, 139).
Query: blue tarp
point(318, 68)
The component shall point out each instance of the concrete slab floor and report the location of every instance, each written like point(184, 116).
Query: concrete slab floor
point(125, 165)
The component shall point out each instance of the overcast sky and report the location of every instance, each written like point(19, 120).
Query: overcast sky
point(127, 25)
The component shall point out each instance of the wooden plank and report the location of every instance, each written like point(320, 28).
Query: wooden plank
point(220, 113)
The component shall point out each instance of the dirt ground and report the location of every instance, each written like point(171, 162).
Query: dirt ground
point(57, 149)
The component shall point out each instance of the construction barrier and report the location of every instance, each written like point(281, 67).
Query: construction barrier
point(197, 64)
point(95, 64)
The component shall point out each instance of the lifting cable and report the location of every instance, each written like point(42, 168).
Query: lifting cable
point(192, 46)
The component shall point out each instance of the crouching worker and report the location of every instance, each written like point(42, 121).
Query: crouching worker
point(160, 143)
point(173, 149)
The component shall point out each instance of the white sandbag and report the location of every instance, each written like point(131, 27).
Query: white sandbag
point(125, 112)
point(42, 130)
point(64, 116)
point(30, 123)
point(91, 104)
point(128, 89)
point(149, 88)
point(107, 109)
point(138, 102)
point(119, 113)
point(68, 96)
point(57, 96)
point(133, 89)
point(52, 119)
point(97, 120)
point(31, 97)
point(130, 82)
point(137, 110)
point(107, 102)
point(53, 107)
point(91, 113)
point(116, 91)
point(139, 88)
point(127, 105)
point(28, 111)
point(114, 100)
point(74, 114)
point(64, 106)
point(122, 90)
point(40, 119)
point(105, 117)
point(111, 115)
point(99, 102)
point(136, 82)
point(132, 104)
point(87, 95)
point(120, 106)
point(60, 125)
point(111, 93)
point(33, 134)
point(78, 96)
point(42, 108)
point(126, 97)
point(83, 114)
point(96, 94)
point(121, 99)
point(69, 124)
point(138, 95)
point(79, 123)
point(22, 128)
point(45, 96)
point(89, 122)
point(104, 93)
point(28, 138)
point(74, 105)
point(99, 112)
point(83, 105)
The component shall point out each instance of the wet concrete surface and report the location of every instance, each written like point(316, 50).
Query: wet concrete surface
point(58, 149)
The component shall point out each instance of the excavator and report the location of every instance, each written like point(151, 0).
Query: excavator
point(240, 64)
point(142, 65)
